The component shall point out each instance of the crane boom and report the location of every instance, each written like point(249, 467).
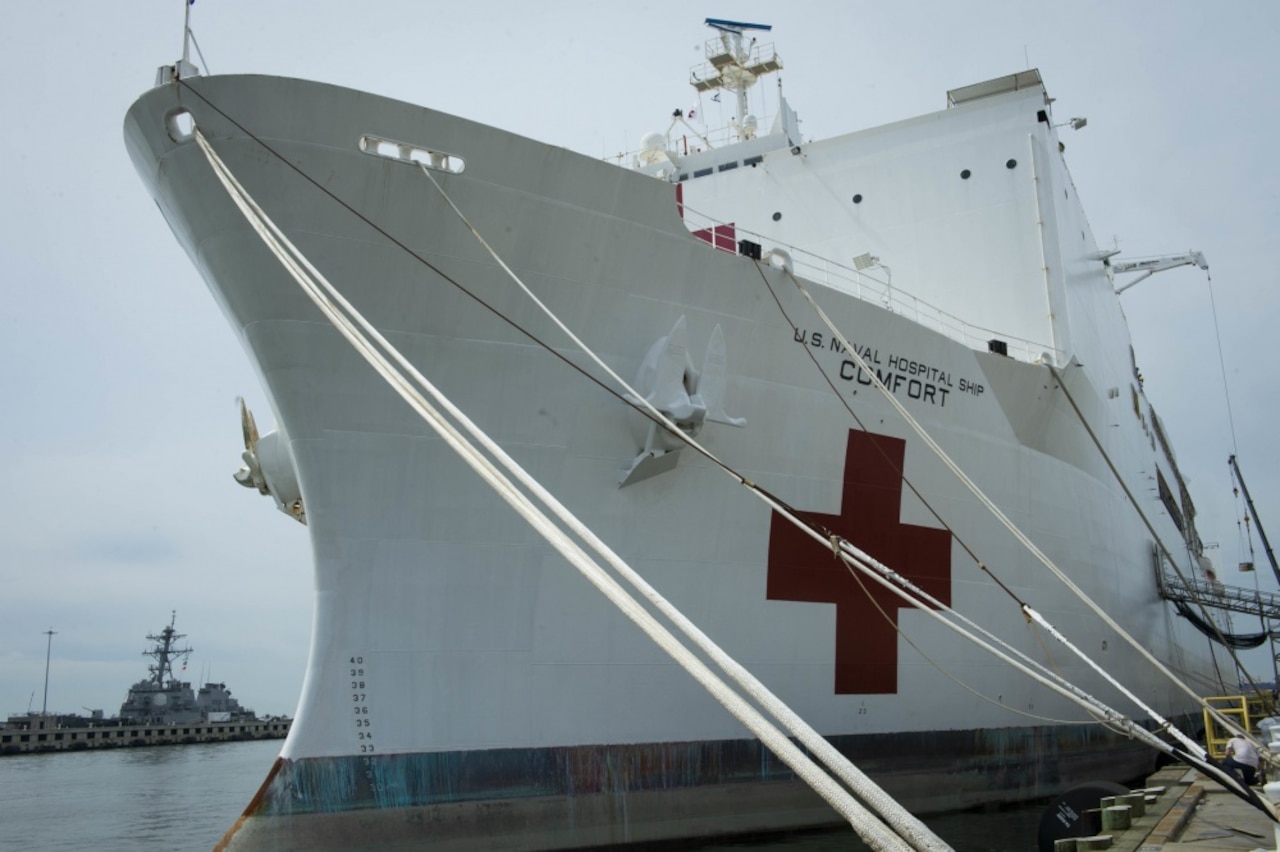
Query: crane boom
point(1150, 266)
point(1266, 545)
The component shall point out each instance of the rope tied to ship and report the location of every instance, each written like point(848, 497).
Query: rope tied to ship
point(1194, 754)
point(1004, 520)
point(850, 554)
point(345, 318)
point(818, 745)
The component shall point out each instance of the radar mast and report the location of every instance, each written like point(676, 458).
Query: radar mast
point(735, 66)
point(164, 651)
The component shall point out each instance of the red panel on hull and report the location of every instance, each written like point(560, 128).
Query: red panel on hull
point(722, 237)
point(802, 570)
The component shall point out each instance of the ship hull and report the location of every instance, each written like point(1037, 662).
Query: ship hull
point(585, 797)
point(465, 686)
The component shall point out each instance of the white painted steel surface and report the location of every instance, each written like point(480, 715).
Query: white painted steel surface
point(466, 631)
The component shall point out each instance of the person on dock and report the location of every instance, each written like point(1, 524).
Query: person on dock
point(1242, 760)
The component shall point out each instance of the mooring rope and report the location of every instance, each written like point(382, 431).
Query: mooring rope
point(863, 561)
point(761, 493)
point(1001, 517)
point(854, 557)
point(866, 824)
point(1226, 721)
point(1201, 757)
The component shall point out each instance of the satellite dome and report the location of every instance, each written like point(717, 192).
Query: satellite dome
point(651, 148)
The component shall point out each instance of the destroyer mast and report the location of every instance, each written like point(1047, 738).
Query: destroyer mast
point(163, 651)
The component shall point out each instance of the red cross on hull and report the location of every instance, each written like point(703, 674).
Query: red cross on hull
point(803, 570)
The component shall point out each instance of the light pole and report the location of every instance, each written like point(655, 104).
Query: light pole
point(48, 648)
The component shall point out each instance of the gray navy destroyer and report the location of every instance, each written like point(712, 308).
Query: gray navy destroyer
point(160, 709)
point(165, 700)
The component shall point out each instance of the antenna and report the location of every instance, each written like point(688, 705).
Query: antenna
point(184, 67)
point(44, 709)
point(186, 30)
point(738, 27)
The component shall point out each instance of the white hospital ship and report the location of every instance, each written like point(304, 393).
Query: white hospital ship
point(835, 322)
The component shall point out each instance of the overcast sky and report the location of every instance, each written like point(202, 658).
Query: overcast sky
point(118, 374)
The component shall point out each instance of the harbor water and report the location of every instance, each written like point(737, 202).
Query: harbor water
point(180, 798)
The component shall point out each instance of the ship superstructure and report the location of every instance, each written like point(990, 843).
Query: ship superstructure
point(466, 687)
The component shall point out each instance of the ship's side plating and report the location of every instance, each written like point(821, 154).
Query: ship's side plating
point(464, 684)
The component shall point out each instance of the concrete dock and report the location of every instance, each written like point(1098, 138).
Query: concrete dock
point(1189, 813)
point(44, 734)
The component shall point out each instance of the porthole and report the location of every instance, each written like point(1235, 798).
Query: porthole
point(777, 216)
point(964, 175)
point(1011, 164)
point(857, 199)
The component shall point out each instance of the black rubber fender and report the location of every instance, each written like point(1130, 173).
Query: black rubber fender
point(1075, 812)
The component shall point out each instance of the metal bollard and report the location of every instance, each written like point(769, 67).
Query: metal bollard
point(1137, 803)
point(1272, 791)
point(1115, 818)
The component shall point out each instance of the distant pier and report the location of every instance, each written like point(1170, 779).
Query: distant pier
point(35, 733)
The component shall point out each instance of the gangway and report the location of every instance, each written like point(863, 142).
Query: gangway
point(1215, 595)
point(1221, 596)
point(1193, 594)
